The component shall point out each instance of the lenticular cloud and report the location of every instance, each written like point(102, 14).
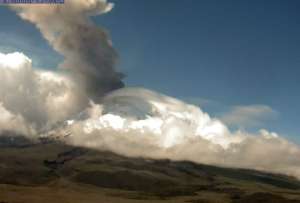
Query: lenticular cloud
point(83, 104)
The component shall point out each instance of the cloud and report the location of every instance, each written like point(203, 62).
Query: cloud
point(13, 123)
point(249, 116)
point(89, 57)
point(140, 122)
point(201, 102)
point(33, 97)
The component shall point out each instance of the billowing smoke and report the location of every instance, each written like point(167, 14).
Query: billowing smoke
point(89, 56)
point(139, 122)
point(131, 121)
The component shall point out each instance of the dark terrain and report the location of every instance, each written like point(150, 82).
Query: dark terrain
point(53, 172)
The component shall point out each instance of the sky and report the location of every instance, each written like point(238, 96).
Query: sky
point(237, 60)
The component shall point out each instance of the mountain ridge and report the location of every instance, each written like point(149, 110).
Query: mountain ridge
point(58, 168)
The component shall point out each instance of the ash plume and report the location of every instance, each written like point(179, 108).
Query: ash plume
point(89, 56)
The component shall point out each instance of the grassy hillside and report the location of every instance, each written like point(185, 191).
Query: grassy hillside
point(57, 173)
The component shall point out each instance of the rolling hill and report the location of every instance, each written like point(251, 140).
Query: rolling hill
point(54, 172)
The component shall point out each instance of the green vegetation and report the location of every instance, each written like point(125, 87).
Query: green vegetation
point(54, 172)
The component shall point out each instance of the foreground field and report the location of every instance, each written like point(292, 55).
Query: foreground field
point(57, 173)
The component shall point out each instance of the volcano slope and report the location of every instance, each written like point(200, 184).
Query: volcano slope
point(54, 172)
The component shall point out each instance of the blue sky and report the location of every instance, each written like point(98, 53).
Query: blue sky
point(239, 60)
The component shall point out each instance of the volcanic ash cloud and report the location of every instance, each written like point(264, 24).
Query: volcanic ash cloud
point(89, 56)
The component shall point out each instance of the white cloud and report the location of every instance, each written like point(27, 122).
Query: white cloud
point(40, 98)
point(14, 123)
point(139, 122)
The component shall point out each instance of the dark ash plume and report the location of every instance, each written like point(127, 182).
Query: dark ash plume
point(90, 58)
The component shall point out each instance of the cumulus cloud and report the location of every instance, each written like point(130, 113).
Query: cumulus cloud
point(249, 116)
point(13, 123)
point(32, 97)
point(140, 122)
point(130, 121)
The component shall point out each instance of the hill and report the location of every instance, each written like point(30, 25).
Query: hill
point(53, 172)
